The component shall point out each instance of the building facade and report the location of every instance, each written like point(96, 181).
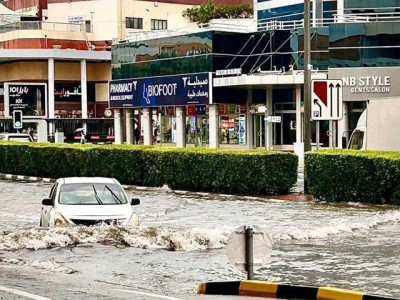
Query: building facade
point(61, 50)
point(256, 97)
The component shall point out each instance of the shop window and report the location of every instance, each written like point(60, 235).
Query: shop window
point(229, 129)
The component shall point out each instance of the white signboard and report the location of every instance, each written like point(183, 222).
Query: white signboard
point(261, 108)
point(274, 119)
point(360, 84)
point(326, 100)
point(237, 71)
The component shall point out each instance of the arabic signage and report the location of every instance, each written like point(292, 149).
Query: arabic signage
point(30, 98)
point(72, 92)
point(161, 91)
point(360, 84)
point(237, 71)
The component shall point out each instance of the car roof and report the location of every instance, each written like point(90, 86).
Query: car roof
point(67, 180)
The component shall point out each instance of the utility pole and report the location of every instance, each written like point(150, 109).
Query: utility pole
point(307, 78)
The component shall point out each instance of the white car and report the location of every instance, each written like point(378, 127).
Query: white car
point(19, 137)
point(88, 201)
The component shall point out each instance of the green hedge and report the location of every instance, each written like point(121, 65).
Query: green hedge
point(352, 175)
point(250, 172)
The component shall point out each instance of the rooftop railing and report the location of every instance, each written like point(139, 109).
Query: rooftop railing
point(343, 18)
point(237, 25)
point(264, 25)
point(38, 25)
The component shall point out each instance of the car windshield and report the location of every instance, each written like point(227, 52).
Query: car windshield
point(91, 194)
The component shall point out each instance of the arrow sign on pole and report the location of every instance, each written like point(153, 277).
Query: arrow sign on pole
point(317, 113)
point(327, 101)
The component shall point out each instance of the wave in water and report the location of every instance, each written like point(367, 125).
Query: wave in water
point(173, 239)
point(340, 226)
point(47, 265)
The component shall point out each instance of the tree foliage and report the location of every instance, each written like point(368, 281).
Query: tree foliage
point(203, 13)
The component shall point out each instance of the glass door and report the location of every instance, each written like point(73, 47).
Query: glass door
point(258, 131)
point(284, 133)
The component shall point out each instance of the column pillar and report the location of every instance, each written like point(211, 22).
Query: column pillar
point(249, 121)
point(298, 145)
point(298, 114)
point(340, 11)
point(214, 125)
point(343, 127)
point(317, 15)
point(51, 103)
point(118, 126)
point(84, 100)
point(147, 126)
point(332, 133)
point(269, 129)
point(181, 126)
point(129, 126)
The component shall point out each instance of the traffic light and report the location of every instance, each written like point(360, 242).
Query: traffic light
point(17, 119)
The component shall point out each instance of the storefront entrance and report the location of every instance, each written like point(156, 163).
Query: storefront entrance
point(283, 132)
point(258, 131)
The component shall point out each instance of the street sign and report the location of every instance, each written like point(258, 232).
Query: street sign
point(326, 99)
point(262, 248)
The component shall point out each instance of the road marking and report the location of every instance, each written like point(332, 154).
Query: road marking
point(148, 294)
point(21, 293)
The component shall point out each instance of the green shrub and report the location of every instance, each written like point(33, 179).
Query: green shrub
point(351, 175)
point(252, 172)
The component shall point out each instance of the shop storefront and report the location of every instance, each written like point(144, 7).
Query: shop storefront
point(172, 108)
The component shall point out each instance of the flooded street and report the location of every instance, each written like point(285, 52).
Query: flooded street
point(181, 242)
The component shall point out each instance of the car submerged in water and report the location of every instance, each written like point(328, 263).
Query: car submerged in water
point(88, 201)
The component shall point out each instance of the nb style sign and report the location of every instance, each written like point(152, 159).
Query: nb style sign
point(326, 99)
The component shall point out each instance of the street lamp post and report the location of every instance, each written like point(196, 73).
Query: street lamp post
point(307, 78)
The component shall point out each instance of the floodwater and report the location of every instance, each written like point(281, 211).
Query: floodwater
point(182, 238)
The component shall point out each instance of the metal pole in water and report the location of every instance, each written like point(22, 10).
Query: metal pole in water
point(249, 252)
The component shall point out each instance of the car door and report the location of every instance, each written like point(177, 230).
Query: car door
point(47, 210)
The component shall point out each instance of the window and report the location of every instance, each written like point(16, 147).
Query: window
point(135, 23)
point(158, 24)
point(91, 194)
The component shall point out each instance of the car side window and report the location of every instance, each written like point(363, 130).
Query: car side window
point(53, 193)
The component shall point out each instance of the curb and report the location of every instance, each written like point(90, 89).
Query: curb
point(25, 178)
point(258, 288)
point(291, 196)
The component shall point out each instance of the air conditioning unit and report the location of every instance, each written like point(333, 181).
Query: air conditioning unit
point(56, 46)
